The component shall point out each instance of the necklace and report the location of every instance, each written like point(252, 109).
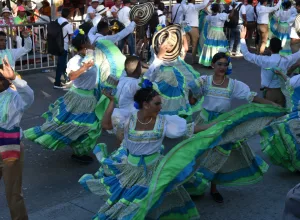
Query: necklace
point(219, 84)
point(142, 122)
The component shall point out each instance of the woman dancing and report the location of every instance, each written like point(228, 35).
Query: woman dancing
point(126, 182)
point(233, 163)
point(71, 120)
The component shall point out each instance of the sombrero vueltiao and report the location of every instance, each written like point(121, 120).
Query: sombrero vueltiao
point(173, 35)
point(297, 25)
point(143, 11)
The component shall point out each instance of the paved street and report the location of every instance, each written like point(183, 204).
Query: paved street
point(50, 178)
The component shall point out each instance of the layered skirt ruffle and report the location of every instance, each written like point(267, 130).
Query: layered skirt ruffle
point(203, 30)
point(171, 84)
point(281, 142)
point(70, 121)
point(123, 180)
point(215, 41)
point(281, 30)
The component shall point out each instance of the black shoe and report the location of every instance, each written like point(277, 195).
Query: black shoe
point(217, 197)
point(82, 159)
point(59, 86)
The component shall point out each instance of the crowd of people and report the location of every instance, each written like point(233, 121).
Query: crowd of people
point(109, 91)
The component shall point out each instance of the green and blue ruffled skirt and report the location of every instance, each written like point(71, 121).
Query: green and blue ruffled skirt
point(70, 121)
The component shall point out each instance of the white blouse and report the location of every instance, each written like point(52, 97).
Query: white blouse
point(295, 81)
point(284, 16)
point(217, 20)
point(86, 80)
point(148, 142)
point(218, 99)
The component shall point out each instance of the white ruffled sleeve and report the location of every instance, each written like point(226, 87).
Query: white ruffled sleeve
point(176, 127)
point(223, 16)
point(197, 86)
point(242, 91)
point(73, 64)
point(294, 81)
point(119, 118)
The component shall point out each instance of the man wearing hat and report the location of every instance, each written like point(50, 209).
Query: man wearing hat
point(124, 17)
point(91, 11)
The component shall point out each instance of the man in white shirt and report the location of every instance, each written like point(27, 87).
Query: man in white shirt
point(124, 17)
point(251, 21)
point(91, 10)
point(103, 31)
point(62, 60)
point(262, 13)
point(269, 80)
point(235, 33)
point(177, 13)
point(116, 8)
point(191, 13)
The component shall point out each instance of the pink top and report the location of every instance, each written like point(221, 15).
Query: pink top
point(10, 22)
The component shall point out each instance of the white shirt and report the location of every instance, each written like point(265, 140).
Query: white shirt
point(94, 36)
point(191, 12)
point(250, 13)
point(126, 89)
point(86, 80)
point(67, 30)
point(124, 16)
point(179, 17)
point(295, 81)
point(14, 103)
point(264, 11)
point(283, 15)
point(90, 10)
point(115, 9)
point(17, 53)
point(268, 78)
point(217, 20)
point(161, 17)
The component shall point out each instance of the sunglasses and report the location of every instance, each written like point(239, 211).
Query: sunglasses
point(222, 64)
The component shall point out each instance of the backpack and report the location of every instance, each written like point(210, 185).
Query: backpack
point(86, 26)
point(234, 21)
point(55, 38)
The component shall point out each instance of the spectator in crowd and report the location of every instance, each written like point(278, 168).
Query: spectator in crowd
point(235, 33)
point(177, 13)
point(45, 9)
point(7, 19)
point(161, 16)
point(91, 11)
point(251, 23)
point(62, 60)
point(22, 17)
point(124, 18)
point(116, 8)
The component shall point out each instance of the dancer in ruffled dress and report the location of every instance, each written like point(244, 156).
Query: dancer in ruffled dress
point(233, 163)
point(124, 183)
point(216, 38)
point(280, 26)
point(280, 141)
point(71, 120)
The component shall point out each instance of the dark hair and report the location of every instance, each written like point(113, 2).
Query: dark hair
point(215, 8)
point(179, 1)
point(4, 83)
point(79, 41)
point(262, 1)
point(2, 33)
point(144, 95)
point(286, 4)
point(275, 45)
point(126, 2)
point(161, 6)
point(153, 22)
point(101, 26)
point(65, 12)
point(298, 3)
point(131, 63)
point(219, 56)
point(250, 2)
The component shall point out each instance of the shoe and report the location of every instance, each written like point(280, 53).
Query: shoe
point(239, 55)
point(82, 159)
point(217, 197)
point(60, 86)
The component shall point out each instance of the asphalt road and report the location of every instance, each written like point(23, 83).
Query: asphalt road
point(50, 178)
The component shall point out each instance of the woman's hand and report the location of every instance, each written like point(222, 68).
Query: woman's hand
point(108, 95)
point(88, 64)
point(7, 72)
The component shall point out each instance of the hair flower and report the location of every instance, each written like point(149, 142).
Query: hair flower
point(81, 32)
point(147, 84)
point(136, 105)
